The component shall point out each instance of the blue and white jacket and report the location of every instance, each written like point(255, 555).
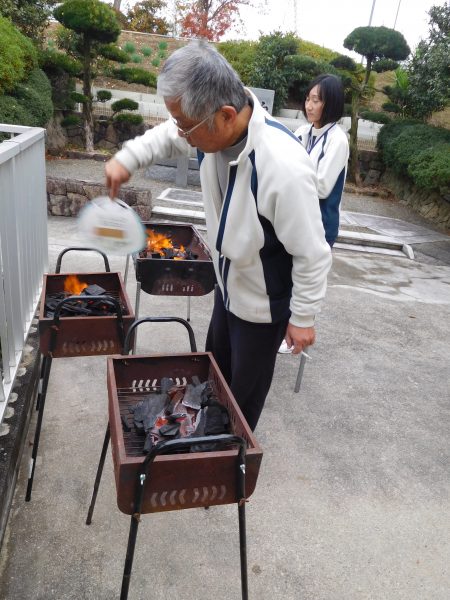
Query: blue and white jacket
point(266, 235)
point(329, 151)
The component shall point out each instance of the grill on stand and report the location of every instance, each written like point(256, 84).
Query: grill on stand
point(157, 274)
point(163, 480)
point(98, 323)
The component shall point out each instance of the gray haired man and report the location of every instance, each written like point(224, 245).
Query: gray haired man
point(262, 216)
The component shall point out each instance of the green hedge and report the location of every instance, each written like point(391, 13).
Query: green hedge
point(136, 75)
point(129, 119)
point(418, 151)
point(30, 103)
point(124, 104)
point(375, 116)
point(17, 56)
point(103, 95)
point(430, 169)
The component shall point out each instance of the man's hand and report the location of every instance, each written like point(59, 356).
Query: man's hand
point(116, 174)
point(299, 337)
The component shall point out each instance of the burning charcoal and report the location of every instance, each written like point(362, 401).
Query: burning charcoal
point(93, 290)
point(168, 252)
point(189, 255)
point(193, 395)
point(170, 429)
point(147, 410)
point(175, 400)
point(166, 384)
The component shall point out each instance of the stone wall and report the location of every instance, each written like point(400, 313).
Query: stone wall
point(431, 205)
point(66, 197)
point(371, 167)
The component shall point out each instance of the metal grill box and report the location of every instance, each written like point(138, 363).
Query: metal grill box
point(175, 481)
point(85, 335)
point(168, 277)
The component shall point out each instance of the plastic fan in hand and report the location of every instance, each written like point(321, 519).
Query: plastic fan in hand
point(111, 226)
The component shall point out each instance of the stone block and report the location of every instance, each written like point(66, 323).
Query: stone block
point(77, 202)
point(56, 186)
point(372, 177)
point(75, 187)
point(144, 212)
point(93, 190)
point(59, 206)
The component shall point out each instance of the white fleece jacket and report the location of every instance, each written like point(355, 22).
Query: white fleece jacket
point(266, 236)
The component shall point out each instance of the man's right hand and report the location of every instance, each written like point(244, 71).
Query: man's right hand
point(116, 174)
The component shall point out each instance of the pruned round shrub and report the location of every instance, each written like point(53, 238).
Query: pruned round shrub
point(78, 98)
point(430, 168)
point(375, 116)
point(52, 61)
point(136, 58)
point(124, 104)
point(89, 17)
point(129, 47)
point(391, 107)
point(162, 45)
point(156, 62)
point(129, 118)
point(71, 121)
point(146, 51)
point(136, 75)
point(113, 52)
point(103, 95)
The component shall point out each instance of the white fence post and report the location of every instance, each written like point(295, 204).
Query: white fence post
point(23, 242)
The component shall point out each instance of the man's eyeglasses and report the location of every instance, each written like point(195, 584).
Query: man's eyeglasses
point(186, 133)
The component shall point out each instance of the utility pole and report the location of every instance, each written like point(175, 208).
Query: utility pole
point(371, 12)
point(294, 10)
point(398, 8)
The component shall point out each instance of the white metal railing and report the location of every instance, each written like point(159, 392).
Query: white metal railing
point(23, 243)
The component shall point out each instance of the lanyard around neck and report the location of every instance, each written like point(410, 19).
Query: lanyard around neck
point(312, 142)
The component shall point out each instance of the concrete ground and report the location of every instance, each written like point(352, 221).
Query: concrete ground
point(352, 499)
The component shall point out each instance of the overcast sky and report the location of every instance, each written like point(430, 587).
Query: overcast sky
point(328, 22)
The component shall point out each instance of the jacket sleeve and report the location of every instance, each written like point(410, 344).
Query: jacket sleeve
point(334, 158)
point(161, 142)
point(298, 225)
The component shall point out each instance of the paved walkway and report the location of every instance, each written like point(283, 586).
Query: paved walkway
point(352, 500)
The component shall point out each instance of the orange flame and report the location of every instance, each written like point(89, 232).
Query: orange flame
point(157, 241)
point(73, 286)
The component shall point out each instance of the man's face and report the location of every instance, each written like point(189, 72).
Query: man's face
point(198, 134)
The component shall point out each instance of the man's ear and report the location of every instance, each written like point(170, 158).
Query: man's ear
point(228, 114)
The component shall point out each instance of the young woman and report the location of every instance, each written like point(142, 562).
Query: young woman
point(327, 145)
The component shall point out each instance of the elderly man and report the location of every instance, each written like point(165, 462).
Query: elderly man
point(262, 216)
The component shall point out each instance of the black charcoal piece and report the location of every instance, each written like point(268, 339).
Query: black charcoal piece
point(170, 430)
point(94, 290)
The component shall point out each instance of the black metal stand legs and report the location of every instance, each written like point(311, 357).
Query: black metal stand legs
point(99, 475)
point(40, 404)
point(164, 448)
